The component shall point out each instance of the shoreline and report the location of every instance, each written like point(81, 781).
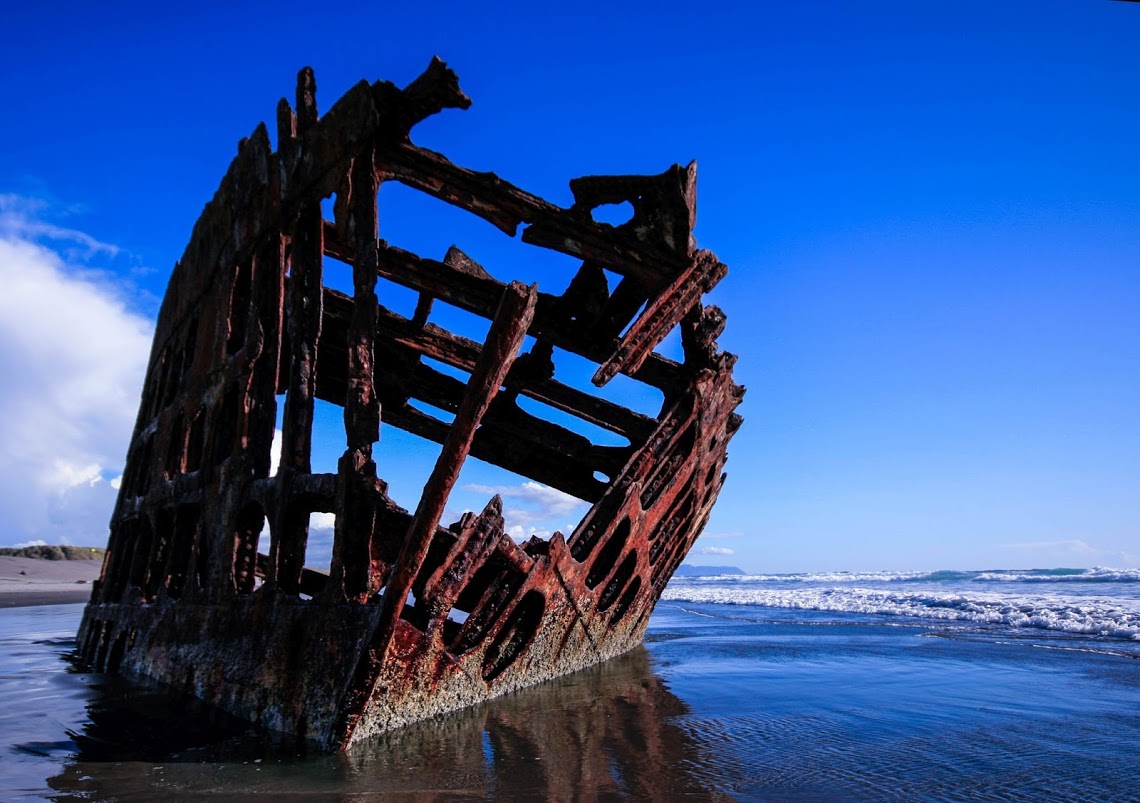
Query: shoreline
point(28, 599)
point(721, 703)
point(28, 582)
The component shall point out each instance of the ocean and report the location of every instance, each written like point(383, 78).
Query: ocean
point(980, 685)
point(1080, 609)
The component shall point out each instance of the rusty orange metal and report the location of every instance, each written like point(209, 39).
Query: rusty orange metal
point(413, 618)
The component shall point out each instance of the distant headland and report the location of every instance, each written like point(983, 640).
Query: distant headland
point(46, 552)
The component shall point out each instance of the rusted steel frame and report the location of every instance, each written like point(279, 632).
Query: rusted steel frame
point(269, 281)
point(490, 608)
point(405, 378)
point(716, 396)
point(290, 532)
point(351, 126)
point(585, 538)
point(662, 315)
point(261, 351)
point(435, 342)
point(474, 544)
point(509, 428)
point(436, 89)
point(663, 205)
point(479, 294)
point(511, 437)
point(673, 538)
point(445, 393)
point(362, 409)
point(549, 468)
point(290, 526)
point(350, 572)
point(514, 555)
point(506, 206)
point(236, 232)
point(544, 451)
point(484, 194)
point(561, 231)
point(680, 429)
point(312, 667)
point(460, 352)
point(370, 116)
point(503, 340)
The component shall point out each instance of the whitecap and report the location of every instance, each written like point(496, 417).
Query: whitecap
point(1117, 618)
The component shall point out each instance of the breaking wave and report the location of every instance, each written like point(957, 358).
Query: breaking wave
point(1045, 599)
point(1095, 575)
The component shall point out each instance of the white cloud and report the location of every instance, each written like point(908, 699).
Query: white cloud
point(520, 532)
point(318, 550)
point(73, 357)
point(322, 521)
point(67, 474)
point(716, 550)
point(22, 544)
point(533, 508)
point(20, 220)
point(275, 452)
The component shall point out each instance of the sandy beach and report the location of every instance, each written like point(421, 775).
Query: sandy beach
point(31, 581)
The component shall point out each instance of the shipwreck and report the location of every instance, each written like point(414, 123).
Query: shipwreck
point(205, 587)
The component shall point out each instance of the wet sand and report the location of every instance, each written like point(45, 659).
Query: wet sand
point(723, 703)
point(32, 581)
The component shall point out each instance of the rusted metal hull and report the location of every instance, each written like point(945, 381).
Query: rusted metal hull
point(413, 619)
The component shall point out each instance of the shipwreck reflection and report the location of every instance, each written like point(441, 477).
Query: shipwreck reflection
point(606, 729)
point(609, 731)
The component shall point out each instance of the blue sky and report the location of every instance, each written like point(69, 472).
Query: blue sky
point(930, 211)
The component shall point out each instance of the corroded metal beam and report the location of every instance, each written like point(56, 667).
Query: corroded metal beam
point(412, 618)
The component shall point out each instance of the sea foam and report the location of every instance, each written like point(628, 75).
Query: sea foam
point(1043, 599)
